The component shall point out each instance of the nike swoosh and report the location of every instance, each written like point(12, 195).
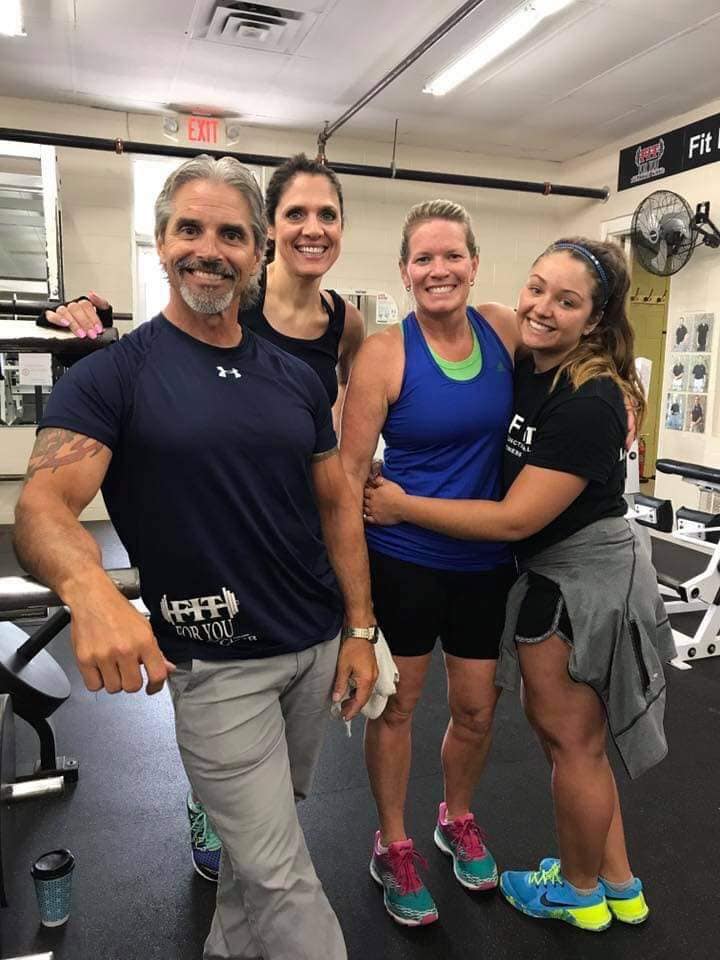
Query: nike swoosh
point(555, 903)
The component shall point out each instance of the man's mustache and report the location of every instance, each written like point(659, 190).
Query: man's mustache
point(216, 267)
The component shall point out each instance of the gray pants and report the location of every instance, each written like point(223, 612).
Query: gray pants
point(250, 733)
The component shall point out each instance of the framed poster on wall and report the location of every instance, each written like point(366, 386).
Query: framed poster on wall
point(690, 369)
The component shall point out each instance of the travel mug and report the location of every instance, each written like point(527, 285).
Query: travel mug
point(52, 873)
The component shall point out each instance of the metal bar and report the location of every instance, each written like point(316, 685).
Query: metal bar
point(429, 41)
point(35, 956)
point(351, 169)
point(30, 789)
point(43, 635)
point(21, 308)
point(16, 593)
point(31, 308)
point(22, 336)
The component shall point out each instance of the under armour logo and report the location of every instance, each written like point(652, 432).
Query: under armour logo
point(222, 372)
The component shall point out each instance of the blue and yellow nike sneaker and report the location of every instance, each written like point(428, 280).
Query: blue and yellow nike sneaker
point(545, 894)
point(627, 906)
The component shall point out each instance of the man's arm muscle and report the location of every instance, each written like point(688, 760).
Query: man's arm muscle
point(110, 638)
point(64, 474)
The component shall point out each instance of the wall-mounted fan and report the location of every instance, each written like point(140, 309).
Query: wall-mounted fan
point(665, 232)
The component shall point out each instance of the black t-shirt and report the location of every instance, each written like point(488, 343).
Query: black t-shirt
point(210, 487)
point(678, 369)
point(696, 413)
point(702, 332)
point(699, 371)
point(680, 333)
point(581, 432)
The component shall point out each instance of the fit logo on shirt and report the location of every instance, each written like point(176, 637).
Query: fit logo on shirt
point(222, 372)
point(519, 437)
point(206, 619)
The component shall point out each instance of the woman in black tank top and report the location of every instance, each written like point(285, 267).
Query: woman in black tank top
point(304, 205)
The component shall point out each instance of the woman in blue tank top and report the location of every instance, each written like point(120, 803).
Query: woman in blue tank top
point(439, 389)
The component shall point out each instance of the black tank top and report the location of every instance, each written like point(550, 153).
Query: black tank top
point(321, 354)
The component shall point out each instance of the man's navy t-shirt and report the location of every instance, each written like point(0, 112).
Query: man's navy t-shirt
point(210, 486)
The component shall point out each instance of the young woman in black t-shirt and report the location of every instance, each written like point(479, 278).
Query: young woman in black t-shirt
point(585, 621)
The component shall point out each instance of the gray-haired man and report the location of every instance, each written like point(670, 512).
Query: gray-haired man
point(217, 459)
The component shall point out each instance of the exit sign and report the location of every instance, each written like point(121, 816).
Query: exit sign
point(202, 129)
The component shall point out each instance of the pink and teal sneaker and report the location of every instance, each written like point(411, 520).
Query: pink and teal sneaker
point(406, 897)
point(463, 840)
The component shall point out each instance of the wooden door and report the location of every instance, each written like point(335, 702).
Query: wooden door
point(647, 312)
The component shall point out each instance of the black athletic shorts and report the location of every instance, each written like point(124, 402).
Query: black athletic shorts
point(543, 612)
point(415, 605)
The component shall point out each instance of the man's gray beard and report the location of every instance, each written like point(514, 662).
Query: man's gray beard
point(210, 303)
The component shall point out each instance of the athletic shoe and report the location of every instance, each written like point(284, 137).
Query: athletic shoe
point(462, 839)
point(627, 906)
point(204, 842)
point(546, 895)
point(406, 897)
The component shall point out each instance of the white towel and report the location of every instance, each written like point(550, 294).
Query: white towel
point(385, 685)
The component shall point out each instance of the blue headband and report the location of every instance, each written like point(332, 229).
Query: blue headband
point(594, 263)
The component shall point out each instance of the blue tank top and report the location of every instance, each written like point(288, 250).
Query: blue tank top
point(445, 438)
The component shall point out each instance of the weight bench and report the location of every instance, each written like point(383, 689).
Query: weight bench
point(699, 593)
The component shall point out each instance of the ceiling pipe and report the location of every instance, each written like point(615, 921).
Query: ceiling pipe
point(429, 41)
point(265, 160)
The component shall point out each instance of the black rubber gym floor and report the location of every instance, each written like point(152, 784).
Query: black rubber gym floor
point(136, 897)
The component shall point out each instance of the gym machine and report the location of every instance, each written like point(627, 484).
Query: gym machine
point(36, 683)
point(699, 593)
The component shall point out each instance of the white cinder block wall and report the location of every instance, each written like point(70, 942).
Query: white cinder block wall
point(511, 228)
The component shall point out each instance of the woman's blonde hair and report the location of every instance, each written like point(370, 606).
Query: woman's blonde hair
point(436, 210)
point(608, 351)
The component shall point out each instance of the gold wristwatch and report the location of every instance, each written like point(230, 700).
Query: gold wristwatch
point(361, 633)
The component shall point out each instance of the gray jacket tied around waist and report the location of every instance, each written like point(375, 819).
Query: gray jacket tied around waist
point(621, 632)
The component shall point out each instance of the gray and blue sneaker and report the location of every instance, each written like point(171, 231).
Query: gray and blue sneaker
point(204, 842)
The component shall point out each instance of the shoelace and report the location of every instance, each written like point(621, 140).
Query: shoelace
point(402, 864)
point(203, 836)
point(469, 839)
point(546, 878)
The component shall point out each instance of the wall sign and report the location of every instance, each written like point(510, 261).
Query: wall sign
point(688, 147)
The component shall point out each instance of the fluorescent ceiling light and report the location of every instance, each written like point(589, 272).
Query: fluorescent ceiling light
point(11, 19)
point(504, 36)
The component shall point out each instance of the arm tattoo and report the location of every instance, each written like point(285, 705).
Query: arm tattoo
point(55, 448)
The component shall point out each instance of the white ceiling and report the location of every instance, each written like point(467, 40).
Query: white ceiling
point(597, 72)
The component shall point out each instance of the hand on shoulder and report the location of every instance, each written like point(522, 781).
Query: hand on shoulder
point(504, 321)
